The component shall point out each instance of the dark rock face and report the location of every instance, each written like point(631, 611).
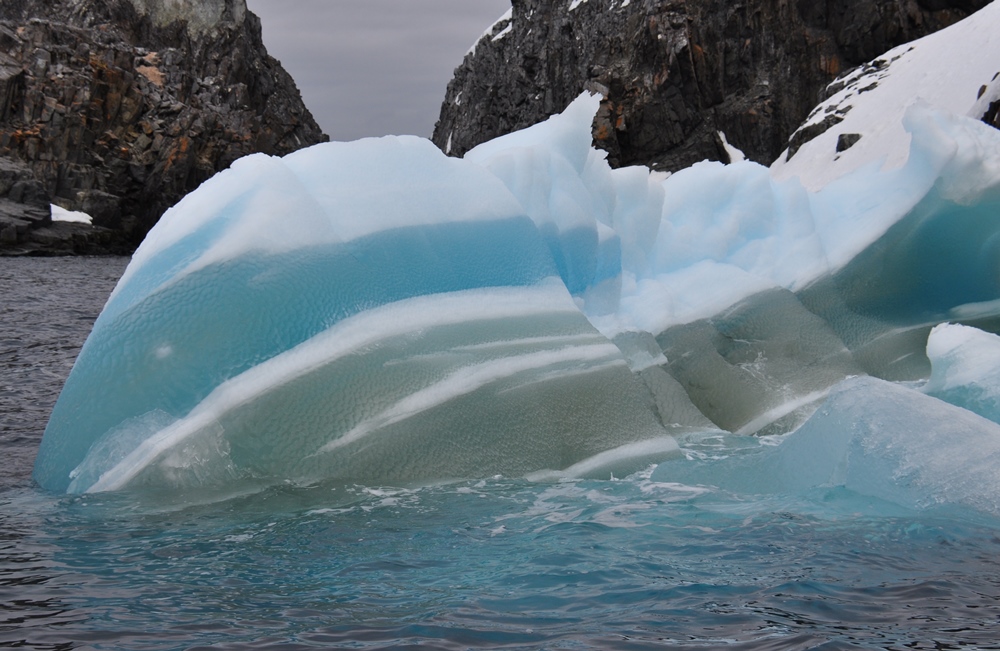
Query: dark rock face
point(992, 114)
point(24, 204)
point(674, 73)
point(121, 107)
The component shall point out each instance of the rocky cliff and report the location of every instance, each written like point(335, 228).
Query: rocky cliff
point(675, 73)
point(121, 107)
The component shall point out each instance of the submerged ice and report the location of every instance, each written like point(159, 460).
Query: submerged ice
point(876, 439)
point(378, 312)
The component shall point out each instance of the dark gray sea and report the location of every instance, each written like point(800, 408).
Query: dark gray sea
point(497, 563)
point(47, 308)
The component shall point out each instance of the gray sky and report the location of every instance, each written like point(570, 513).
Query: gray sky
point(373, 67)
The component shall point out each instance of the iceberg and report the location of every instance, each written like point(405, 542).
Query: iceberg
point(378, 312)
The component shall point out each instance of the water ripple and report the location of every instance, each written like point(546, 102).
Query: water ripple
point(491, 564)
point(47, 309)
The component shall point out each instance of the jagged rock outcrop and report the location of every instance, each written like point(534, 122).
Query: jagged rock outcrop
point(675, 73)
point(989, 97)
point(121, 107)
point(26, 225)
point(23, 202)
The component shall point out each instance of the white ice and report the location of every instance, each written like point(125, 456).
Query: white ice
point(965, 368)
point(60, 214)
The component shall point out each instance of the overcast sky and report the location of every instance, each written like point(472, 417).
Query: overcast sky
point(373, 67)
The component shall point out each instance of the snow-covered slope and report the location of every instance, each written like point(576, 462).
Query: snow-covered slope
point(954, 70)
point(500, 28)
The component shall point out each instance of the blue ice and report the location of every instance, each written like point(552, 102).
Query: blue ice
point(378, 312)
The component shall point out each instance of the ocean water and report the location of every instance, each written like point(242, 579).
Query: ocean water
point(497, 562)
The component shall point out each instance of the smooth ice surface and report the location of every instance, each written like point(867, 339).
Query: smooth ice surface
point(876, 439)
point(378, 312)
point(894, 443)
point(965, 368)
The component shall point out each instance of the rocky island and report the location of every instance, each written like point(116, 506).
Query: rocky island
point(118, 108)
